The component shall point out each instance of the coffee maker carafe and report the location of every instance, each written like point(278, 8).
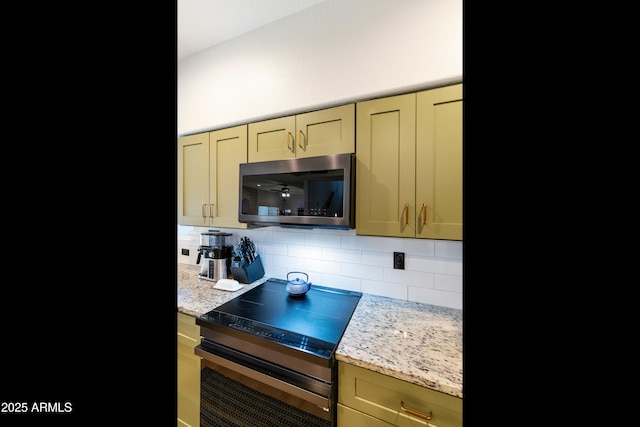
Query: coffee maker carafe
point(216, 262)
point(215, 256)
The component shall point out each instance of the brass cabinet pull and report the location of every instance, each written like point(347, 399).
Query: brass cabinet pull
point(289, 142)
point(416, 413)
point(424, 215)
point(300, 136)
point(406, 213)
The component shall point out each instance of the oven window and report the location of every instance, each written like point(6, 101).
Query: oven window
point(225, 402)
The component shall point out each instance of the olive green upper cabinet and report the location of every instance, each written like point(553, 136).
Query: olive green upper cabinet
point(409, 165)
point(193, 179)
point(385, 167)
point(439, 163)
point(317, 133)
point(208, 170)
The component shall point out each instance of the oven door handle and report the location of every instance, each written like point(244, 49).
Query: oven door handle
point(251, 367)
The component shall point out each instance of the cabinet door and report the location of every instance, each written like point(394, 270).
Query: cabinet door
point(272, 139)
point(352, 418)
point(228, 148)
point(193, 179)
point(383, 397)
point(324, 132)
point(439, 163)
point(188, 375)
point(317, 133)
point(385, 168)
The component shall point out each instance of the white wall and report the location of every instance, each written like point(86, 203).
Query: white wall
point(340, 259)
point(336, 52)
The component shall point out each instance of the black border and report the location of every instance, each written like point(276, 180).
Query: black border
point(89, 309)
point(90, 300)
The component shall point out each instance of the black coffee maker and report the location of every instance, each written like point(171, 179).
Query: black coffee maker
point(215, 256)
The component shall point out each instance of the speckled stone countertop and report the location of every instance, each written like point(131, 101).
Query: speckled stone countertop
point(414, 342)
point(197, 296)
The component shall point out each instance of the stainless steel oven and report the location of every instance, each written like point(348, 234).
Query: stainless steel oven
point(275, 354)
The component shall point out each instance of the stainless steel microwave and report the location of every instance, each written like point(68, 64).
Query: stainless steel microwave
point(313, 191)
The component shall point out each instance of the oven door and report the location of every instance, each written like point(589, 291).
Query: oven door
point(239, 389)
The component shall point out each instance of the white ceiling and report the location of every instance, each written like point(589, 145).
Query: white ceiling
point(206, 23)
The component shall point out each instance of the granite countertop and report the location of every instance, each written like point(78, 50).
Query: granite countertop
point(197, 296)
point(410, 341)
point(414, 342)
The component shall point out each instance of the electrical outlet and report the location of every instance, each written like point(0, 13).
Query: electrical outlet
point(398, 260)
point(185, 251)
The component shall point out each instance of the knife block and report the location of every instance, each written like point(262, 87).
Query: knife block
point(248, 273)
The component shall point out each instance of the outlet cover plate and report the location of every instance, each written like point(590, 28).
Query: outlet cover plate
point(398, 260)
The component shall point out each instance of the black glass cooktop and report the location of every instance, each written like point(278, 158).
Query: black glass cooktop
point(314, 322)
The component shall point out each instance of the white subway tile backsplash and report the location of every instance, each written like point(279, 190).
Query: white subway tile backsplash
point(441, 266)
point(256, 235)
point(341, 282)
point(274, 271)
point(368, 243)
point(408, 277)
point(421, 247)
point(342, 255)
point(314, 252)
point(435, 297)
point(377, 258)
point(361, 271)
point(448, 283)
point(331, 267)
point(391, 290)
point(270, 248)
point(423, 280)
point(265, 258)
point(290, 237)
point(313, 276)
point(184, 229)
point(324, 240)
point(341, 259)
point(295, 264)
point(277, 260)
point(448, 249)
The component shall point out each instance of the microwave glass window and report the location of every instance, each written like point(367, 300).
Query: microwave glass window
point(318, 194)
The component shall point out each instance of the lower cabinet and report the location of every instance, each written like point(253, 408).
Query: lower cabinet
point(348, 417)
point(367, 398)
point(188, 372)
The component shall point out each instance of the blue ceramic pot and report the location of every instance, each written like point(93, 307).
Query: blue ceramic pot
point(297, 287)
